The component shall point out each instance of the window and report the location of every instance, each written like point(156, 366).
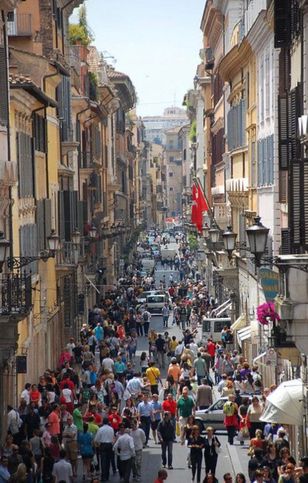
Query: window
point(39, 128)
point(25, 163)
point(267, 85)
point(170, 174)
point(261, 92)
point(4, 110)
point(170, 189)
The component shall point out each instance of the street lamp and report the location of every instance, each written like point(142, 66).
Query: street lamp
point(205, 231)
point(229, 239)
point(4, 245)
point(257, 239)
point(214, 233)
point(53, 243)
point(76, 237)
point(93, 232)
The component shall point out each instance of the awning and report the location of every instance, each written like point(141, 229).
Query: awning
point(243, 334)
point(285, 404)
point(259, 358)
point(239, 323)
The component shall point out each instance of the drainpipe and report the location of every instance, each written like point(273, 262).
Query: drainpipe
point(47, 76)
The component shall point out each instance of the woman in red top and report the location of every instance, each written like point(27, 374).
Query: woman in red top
point(35, 395)
point(114, 419)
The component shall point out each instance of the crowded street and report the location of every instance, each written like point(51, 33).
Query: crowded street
point(153, 241)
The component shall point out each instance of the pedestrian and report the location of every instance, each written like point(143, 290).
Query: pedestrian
point(196, 443)
point(153, 375)
point(200, 368)
point(165, 312)
point(85, 442)
point(185, 408)
point(146, 317)
point(69, 440)
point(204, 396)
point(166, 436)
point(62, 469)
point(161, 476)
point(139, 441)
point(230, 411)
point(211, 449)
point(161, 350)
point(145, 414)
point(156, 417)
point(124, 447)
point(104, 439)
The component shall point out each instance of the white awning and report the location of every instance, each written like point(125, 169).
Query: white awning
point(285, 404)
point(243, 334)
point(239, 323)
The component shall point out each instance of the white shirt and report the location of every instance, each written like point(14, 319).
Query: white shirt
point(105, 434)
point(134, 386)
point(108, 364)
point(26, 396)
point(139, 438)
point(126, 445)
point(62, 470)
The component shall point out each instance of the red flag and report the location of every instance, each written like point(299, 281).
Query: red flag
point(202, 203)
point(199, 205)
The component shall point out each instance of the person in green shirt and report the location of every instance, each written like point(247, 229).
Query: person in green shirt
point(185, 408)
point(200, 368)
point(77, 417)
point(92, 426)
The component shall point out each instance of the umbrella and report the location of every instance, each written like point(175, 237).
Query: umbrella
point(285, 404)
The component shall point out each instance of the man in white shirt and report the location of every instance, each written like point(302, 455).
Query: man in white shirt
point(104, 438)
point(107, 364)
point(69, 440)
point(125, 448)
point(25, 395)
point(134, 385)
point(139, 438)
point(62, 470)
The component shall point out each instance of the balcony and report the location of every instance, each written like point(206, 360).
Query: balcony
point(16, 295)
point(236, 185)
point(69, 255)
point(20, 25)
point(280, 339)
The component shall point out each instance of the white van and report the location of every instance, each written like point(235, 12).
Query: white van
point(155, 303)
point(213, 327)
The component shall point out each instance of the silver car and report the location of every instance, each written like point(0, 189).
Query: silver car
point(214, 416)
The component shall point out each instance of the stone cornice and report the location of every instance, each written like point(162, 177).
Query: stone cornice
point(235, 59)
point(260, 32)
point(211, 24)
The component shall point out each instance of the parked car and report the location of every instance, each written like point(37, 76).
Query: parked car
point(213, 416)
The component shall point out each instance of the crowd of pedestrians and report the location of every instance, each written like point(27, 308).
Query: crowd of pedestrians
point(103, 403)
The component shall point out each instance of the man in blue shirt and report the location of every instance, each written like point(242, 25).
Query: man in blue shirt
point(145, 414)
point(99, 332)
point(157, 410)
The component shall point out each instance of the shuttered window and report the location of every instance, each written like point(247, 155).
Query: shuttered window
point(4, 104)
point(285, 248)
point(266, 161)
point(284, 144)
point(64, 107)
point(25, 159)
point(43, 221)
point(28, 244)
point(67, 206)
point(282, 26)
point(39, 127)
point(237, 125)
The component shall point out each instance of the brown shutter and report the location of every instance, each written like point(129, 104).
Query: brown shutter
point(283, 132)
point(282, 23)
point(4, 103)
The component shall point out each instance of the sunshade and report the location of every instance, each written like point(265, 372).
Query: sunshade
point(285, 404)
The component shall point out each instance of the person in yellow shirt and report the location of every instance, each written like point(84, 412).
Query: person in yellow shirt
point(173, 343)
point(153, 375)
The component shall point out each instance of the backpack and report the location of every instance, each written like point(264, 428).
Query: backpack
point(229, 409)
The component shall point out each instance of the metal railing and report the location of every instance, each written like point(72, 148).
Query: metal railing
point(70, 254)
point(16, 294)
point(21, 26)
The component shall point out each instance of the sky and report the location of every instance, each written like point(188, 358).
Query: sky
point(155, 42)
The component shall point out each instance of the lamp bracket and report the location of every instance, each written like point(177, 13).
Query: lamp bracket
point(20, 262)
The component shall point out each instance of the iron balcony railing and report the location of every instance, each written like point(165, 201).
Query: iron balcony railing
point(20, 26)
point(70, 253)
point(16, 294)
